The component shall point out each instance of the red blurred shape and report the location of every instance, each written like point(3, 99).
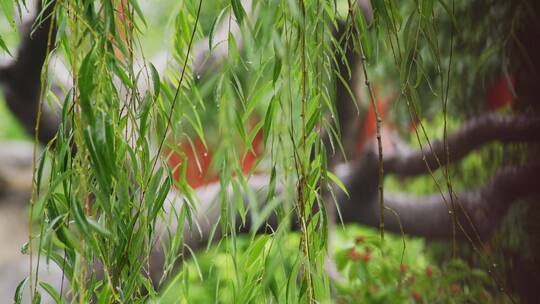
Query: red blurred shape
point(369, 126)
point(500, 93)
point(198, 176)
point(195, 176)
point(416, 296)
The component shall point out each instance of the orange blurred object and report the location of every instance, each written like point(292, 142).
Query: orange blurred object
point(196, 176)
point(197, 173)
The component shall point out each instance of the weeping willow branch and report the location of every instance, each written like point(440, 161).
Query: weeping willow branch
point(20, 78)
point(425, 216)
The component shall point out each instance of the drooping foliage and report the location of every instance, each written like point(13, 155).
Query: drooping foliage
point(112, 197)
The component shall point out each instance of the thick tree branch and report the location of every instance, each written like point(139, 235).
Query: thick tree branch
point(475, 133)
point(429, 216)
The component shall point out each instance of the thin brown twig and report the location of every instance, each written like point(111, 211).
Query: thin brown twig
point(34, 157)
point(378, 123)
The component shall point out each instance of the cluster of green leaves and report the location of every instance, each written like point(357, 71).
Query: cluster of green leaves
point(262, 270)
point(402, 275)
point(8, 9)
point(102, 205)
point(417, 58)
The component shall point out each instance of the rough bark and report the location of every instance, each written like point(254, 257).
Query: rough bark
point(429, 216)
point(472, 135)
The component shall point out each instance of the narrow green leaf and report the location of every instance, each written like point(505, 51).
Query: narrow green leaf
point(238, 10)
point(213, 28)
point(7, 7)
point(364, 34)
point(37, 298)
point(160, 199)
point(138, 10)
point(99, 228)
point(277, 68)
point(52, 292)
point(19, 291)
point(123, 76)
point(86, 86)
point(336, 181)
point(313, 119)
point(268, 118)
point(4, 47)
point(79, 217)
point(155, 80)
point(241, 130)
